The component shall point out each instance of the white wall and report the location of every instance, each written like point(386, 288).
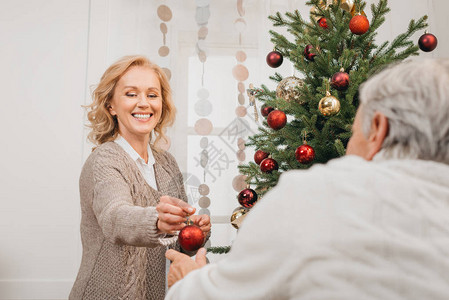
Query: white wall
point(51, 52)
point(43, 59)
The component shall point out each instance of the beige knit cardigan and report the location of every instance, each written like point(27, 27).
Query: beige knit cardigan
point(123, 255)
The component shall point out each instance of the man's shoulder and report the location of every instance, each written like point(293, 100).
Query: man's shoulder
point(320, 184)
point(349, 164)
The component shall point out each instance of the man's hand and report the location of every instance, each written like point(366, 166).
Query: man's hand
point(182, 264)
point(172, 212)
point(202, 221)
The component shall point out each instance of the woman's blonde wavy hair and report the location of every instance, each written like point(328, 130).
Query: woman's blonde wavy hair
point(104, 126)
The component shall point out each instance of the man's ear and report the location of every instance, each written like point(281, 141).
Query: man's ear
point(378, 133)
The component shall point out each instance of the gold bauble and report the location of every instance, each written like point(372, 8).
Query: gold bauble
point(329, 105)
point(288, 89)
point(237, 217)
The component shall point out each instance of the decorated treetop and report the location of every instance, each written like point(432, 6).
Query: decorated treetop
point(334, 51)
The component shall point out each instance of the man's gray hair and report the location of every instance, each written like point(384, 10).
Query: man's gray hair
point(414, 96)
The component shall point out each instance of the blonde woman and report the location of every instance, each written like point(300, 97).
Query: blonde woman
point(132, 196)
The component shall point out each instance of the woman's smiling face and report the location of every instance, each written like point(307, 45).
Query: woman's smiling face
point(137, 103)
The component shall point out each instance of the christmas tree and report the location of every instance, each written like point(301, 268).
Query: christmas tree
point(334, 51)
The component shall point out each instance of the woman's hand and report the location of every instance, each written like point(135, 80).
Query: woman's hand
point(202, 221)
point(173, 212)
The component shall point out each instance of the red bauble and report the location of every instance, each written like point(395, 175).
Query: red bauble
point(428, 42)
point(323, 22)
point(359, 24)
point(191, 238)
point(247, 198)
point(259, 156)
point(265, 110)
point(340, 80)
point(304, 154)
point(277, 119)
point(308, 54)
point(274, 59)
point(268, 165)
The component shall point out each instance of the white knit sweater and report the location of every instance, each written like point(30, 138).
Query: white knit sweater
point(350, 229)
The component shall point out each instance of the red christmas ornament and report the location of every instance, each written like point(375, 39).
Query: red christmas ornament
point(340, 80)
point(247, 198)
point(323, 22)
point(427, 42)
point(277, 119)
point(305, 154)
point(274, 59)
point(359, 24)
point(268, 165)
point(265, 110)
point(191, 238)
point(309, 55)
point(259, 156)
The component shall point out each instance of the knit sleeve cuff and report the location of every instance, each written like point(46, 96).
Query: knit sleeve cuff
point(157, 236)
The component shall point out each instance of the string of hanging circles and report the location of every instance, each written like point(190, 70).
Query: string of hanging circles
point(292, 91)
point(191, 237)
point(165, 14)
point(241, 74)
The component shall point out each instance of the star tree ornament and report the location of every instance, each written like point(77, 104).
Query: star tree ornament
point(347, 5)
point(350, 7)
point(427, 42)
point(274, 59)
point(288, 89)
point(329, 105)
point(315, 14)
